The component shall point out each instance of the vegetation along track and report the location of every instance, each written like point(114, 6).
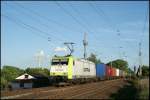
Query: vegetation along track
point(85, 91)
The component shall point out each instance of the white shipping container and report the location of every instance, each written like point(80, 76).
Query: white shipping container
point(117, 72)
point(83, 69)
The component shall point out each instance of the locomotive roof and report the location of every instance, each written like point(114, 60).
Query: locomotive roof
point(61, 57)
point(68, 56)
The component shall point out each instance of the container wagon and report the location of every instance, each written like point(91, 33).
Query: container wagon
point(101, 71)
point(108, 72)
point(113, 72)
point(117, 73)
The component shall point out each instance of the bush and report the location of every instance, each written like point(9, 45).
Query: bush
point(4, 83)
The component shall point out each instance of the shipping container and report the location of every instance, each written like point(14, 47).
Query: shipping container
point(100, 70)
point(83, 69)
point(113, 71)
point(108, 71)
point(117, 72)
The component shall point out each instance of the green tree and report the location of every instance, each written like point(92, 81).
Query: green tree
point(130, 71)
point(4, 83)
point(119, 63)
point(145, 70)
point(93, 58)
point(10, 72)
point(41, 71)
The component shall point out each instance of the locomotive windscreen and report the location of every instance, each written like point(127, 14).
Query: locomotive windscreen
point(59, 61)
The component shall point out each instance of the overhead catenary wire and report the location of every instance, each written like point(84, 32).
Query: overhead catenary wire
point(24, 25)
point(144, 25)
point(75, 19)
point(47, 18)
point(29, 27)
point(83, 19)
point(37, 20)
point(101, 12)
point(107, 19)
point(41, 16)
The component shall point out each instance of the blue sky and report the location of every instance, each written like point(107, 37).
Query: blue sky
point(26, 27)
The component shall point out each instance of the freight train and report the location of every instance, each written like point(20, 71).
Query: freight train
point(72, 70)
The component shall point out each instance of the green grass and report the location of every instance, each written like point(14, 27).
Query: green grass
point(144, 94)
point(128, 92)
point(143, 90)
point(133, 90)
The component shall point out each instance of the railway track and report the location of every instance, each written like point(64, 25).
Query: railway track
point(92, 93)
point(61, 93)
point(85, 91)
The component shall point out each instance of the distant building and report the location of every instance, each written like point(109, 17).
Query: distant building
point(23, 81)
point(29, 81)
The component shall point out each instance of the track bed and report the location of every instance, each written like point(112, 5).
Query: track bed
point(94, 90)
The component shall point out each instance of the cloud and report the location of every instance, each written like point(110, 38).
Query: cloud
point(60, 49)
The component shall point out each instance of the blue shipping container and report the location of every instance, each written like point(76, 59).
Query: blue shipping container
point(100, 70)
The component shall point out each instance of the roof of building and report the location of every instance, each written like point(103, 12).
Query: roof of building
point(25, 76)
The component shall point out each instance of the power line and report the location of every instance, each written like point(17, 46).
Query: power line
point(29, 26)
point(48, 19)
point(68, 13)
point(77, 21)
point(85, 21)
point(36, 20)
point(23, 25)
point(105, 17)
point(104, 14)
point(26, 27)
point(144, 26)
point(45, 18)
point(85, 55)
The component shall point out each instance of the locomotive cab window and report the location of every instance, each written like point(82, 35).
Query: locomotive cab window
point(55, 61)
point(60, 62)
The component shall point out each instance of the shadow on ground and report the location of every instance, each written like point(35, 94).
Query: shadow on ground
point(128, 92)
